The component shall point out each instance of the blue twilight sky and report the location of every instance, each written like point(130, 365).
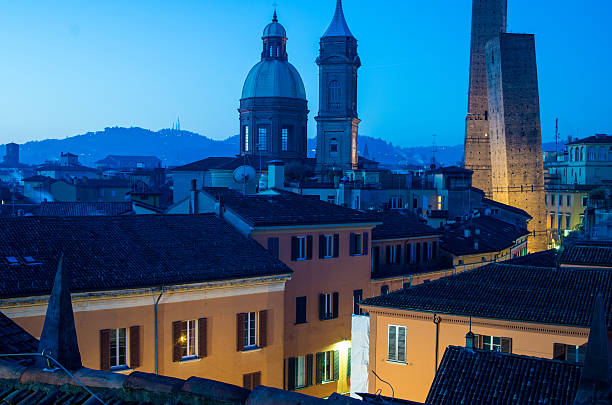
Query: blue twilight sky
point(69, 67)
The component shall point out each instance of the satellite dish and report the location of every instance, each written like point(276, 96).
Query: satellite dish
point(244, 174)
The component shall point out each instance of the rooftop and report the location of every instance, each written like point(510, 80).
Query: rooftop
point(397, 225)
point(72, 209)
point(473, 376)
point(598, 138)
point(114, 253)
point(507, 207)
point(588, 253)
point(286, 208)
point(543, 295)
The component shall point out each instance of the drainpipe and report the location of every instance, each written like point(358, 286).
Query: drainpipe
point(436, 319)
point(155, 311)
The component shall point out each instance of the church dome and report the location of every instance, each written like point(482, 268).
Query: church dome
point(274, 29)
point(274, 78)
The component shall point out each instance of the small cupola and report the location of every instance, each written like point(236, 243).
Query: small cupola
point(469, 340)
point(274, 40)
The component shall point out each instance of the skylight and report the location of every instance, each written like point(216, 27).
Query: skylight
point(12, 260)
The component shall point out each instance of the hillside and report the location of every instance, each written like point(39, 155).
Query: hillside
point(175, 147)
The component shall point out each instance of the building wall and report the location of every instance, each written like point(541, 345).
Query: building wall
point(516, 141)
point(575, 212)
point(343, 275)
point(218, 303)
point(411, 380)
point(488, 20)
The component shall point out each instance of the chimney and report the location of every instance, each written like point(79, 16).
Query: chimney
point(276, 174)
point(58, 338)
point(193, 202)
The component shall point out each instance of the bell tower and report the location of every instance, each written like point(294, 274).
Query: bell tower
point(337, 121)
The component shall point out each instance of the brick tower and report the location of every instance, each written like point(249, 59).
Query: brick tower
point(337, 122)
point(517, 172)
point(488, 21)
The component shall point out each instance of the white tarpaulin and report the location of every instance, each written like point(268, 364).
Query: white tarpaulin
point(360, 354)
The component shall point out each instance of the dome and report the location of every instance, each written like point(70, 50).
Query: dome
point(274, 29)
point(274, 78)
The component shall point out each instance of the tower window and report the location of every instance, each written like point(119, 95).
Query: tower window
point(271, 51)
point(333, 146)
point(246, 138)
point(262, 135)
point(334, 94)
point(284, 138)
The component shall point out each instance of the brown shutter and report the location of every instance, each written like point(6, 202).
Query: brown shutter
point(352, 244)
point(246, 381)
point(322, 246)
point(105, 349)
point(559, 352)
point(335, 305)
point(309, 247)
point(202, 337)
point(294, 248)
point(291, 376)
point(256, 379)
point(176, 336)
point(308, 370)
point(365, 244)
point(134, 346)
point(263, 328)
point(506, 345)
point(240, 331)
point(336, 245)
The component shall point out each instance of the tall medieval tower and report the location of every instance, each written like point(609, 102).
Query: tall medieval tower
point(517, 171)
point(488, 21)
point(337, 122)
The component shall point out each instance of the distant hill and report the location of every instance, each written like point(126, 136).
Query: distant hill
point(176, 147)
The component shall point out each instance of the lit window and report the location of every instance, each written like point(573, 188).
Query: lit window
point(328, 366)
point(494, 343)
point(440, 202)
point(327, 303)
point(572, 353)
point(250, 338)
point(246, 138)
point(284, 136)
point(118, 348)
point(301, 252)
point(300, 372)
point(262, 141)
point(397, 343)
point(329, 246)
point(187, 339)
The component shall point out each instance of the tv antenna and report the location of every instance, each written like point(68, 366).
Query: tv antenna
point(434, 149)
point(556, 135)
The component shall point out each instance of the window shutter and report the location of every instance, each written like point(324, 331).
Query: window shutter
point(401, 344)
point(176, 335)
point(478, 340)
point(418, 253)
point(319, 368)
point(321, 306)
point(335, 305)
point(388, 254)
point(247, 381)
point(336, 245)
point(202, 337)
point(105, 349)
point(294, 248)
point(309, 247)
point(348, 364)
point(365, 244)
point(407, 253)
point(273, 246)
point(263, 328)
point(300, 310)
point(506, 345)
point(559, 352)
point(308, 370)
point(240, 331)
point(321, 246)
point(336, 365)
point(134, 346)
point(352, 244)
point(398, 254)
point(256, 379)
point(292, 374)
point(392, 353)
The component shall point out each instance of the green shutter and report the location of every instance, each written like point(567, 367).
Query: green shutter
point(348, 364)
point(291, 374)
point(309, 370)
point(336, 365)
point(319, 368)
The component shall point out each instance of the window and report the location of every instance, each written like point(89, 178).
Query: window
point(440, 202)
point(300, 372)
point(284, 138)
point(118, 348)
point(187, 339)
point(328, 246)
point(575, 354)
point(397, 343)
point(568, 220)
point(494, 343)
point(12, 260)
point(384, 290)
point(101, 192)
point(552, 199)
point(273, 246)
point(584, 200)
point(429, 250)
point(328, 366)
point(357, 296)
point(569, 200)
point(333, 146)
point(262, 141)
point(406, 284)
point(460, 262)
point(301, 248)
point(328, 306)
point(396, 202)
point(250, 330)
point(358, 244)
point(390, 254)
point(300, 310)
point(251, 380)
point(411, 251)
point(246, 138)
point(334, 94)
point(331, 199)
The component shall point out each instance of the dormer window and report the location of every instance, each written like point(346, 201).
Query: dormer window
point(12, 260)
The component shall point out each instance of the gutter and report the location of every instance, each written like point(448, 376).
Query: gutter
point(155, 315)
point(436, 319)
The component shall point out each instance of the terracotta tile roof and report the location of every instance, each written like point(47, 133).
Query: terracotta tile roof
point(14, 339)
point(396, 225)
point(588, 253)
point(489, 378)
point(108, 253)
point(285, 208)
point(545, 258)
point(71, 209)
point(486, 201)
point(599, 138)
point(562, 296)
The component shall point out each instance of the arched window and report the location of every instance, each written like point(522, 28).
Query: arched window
point(333, 146)
point(576, 154)
point(333, 95)
point(582, 157)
